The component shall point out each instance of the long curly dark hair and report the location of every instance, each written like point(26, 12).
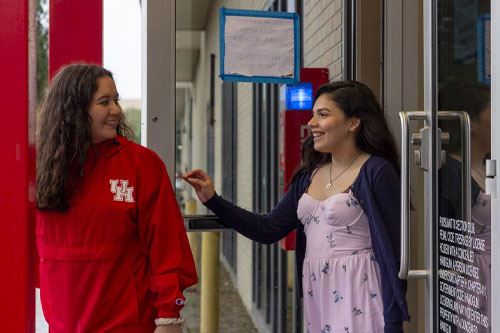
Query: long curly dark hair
point(374, 136)
point(64, 134)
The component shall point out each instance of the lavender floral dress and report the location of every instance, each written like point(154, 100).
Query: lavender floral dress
point(341, 276)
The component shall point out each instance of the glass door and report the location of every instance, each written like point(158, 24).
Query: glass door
point(462, 94)
point(448, 148)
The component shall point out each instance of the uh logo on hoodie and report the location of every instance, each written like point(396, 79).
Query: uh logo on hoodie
point(121, 190)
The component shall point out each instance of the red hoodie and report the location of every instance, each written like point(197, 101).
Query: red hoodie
point(119, 257)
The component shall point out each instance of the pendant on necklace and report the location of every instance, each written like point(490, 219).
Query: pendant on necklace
point(328, 186)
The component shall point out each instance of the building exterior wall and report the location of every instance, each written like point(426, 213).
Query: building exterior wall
point(244, 173)
point(323, 40)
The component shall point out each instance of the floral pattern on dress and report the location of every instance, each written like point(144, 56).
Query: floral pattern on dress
point(311, 217)
point(331, 241)
point(337, 296)
point(352, 203)
point(342, 279)
point(357, 312)
point(326, 329)
point(326, 268)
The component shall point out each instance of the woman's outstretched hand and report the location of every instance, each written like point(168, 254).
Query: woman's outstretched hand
point(202, 184)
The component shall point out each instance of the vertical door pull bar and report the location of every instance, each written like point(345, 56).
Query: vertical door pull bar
point(404, 271)
point(405, 117)
point(466, 177)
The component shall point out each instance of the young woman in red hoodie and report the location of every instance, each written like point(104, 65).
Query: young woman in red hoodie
point(114, 256)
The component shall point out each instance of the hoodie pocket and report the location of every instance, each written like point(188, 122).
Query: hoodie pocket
point(87, 296)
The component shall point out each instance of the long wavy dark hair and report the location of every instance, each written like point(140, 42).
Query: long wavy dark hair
point(373, 137)
point(64, 134)
point(471, 97)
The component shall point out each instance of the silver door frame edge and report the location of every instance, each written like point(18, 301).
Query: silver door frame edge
point(430, 176)
point(495, 155)
point(158, 80)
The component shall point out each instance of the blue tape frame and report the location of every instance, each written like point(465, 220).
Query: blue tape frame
point(481, 50)
point(223, 12)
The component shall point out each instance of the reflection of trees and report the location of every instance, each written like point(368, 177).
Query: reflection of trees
point(42, 56)
point(133, 116)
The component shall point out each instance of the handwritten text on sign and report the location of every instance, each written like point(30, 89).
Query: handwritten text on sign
point(259, 46)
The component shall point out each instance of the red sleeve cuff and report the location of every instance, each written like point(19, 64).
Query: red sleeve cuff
point(166, 313)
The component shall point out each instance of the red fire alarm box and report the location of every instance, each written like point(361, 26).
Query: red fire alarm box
point(293, 126)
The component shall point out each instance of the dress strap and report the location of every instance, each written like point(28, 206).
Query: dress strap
point(313, 173)
point(311, 177)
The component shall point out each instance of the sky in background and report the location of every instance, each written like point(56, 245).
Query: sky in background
point(122, 45)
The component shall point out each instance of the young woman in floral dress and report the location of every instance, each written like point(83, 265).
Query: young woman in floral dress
point(344, 202)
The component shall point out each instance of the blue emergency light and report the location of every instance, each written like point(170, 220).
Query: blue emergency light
point(299, 96)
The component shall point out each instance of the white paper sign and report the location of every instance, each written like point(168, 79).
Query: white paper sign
point(259, 46)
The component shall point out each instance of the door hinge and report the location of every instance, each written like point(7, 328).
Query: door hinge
point(491, 178)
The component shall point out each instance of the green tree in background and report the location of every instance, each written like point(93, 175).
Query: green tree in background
point(133, 116)
point(42, 49)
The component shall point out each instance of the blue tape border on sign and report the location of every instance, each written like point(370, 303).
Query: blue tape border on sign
point(223, 12)
point(481, 51)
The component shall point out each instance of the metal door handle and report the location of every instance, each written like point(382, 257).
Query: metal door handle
point(404, 270)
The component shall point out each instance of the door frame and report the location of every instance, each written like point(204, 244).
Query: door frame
point(402, 90)
point(495, 155)
point(429, 54)
point(430, 177)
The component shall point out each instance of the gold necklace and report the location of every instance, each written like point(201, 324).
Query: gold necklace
point(329, 185)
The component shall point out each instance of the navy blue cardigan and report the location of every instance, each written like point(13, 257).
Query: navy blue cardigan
point(377, 189)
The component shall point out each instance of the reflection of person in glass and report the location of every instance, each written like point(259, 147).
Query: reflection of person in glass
point(114, 255)
point(473, 98)
point(345, 203)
